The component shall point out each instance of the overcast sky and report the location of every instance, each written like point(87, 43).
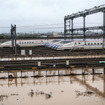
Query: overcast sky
point(43, 12)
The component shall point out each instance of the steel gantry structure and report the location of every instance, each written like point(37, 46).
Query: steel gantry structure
point(69, 26)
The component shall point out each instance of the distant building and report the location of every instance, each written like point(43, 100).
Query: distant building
point(55, 34)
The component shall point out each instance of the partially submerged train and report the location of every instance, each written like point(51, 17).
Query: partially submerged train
point(78, 44)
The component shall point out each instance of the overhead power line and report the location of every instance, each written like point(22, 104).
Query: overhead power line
point(41, 25)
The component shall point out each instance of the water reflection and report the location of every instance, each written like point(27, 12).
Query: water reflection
point(48, 77)
point(89, 87)
point(85, 80)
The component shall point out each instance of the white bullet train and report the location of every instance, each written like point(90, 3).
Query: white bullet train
point(26, 43)
point(74, 45)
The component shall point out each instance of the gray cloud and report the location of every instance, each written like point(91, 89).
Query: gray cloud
point(40, 12)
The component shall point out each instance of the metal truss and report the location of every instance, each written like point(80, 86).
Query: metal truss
point(69, 19)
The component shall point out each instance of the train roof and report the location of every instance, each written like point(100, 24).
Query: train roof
point(66, 41)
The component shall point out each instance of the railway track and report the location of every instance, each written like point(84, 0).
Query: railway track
point(47, 52)
point(29, 64)
point(43, 51)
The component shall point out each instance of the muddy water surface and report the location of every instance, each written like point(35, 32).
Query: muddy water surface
point(62, 90)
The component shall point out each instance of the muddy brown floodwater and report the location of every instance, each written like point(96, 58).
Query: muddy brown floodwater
point(59, 90)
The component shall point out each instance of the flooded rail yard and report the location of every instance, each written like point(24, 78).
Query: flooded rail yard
point(49, 77)
point(47, 63)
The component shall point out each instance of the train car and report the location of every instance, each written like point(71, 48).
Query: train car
point(96, 44)
point(26, 43)
point(74, 45)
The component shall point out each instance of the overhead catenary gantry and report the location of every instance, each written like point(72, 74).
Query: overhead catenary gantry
point(13, 38)
point(69, 26)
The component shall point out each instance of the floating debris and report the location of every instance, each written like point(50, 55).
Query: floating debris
point(2, 97)
point(47, 95)
point(14, 94)
point(62, 91)
point(87, 93)
point(32, 91)
point(10, 76)
point(41, 92)
point(37, 93)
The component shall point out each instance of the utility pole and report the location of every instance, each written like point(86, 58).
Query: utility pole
point(84, 23)
point(103, 29)
point(13, 38)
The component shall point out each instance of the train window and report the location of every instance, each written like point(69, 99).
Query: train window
point(19, 42)
point(97, 43)
point(75, 43)
point(101, 43)
point(91, 43)
point(94, 43)
point(32, 42)
point(78, 42)
point(88, 43)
